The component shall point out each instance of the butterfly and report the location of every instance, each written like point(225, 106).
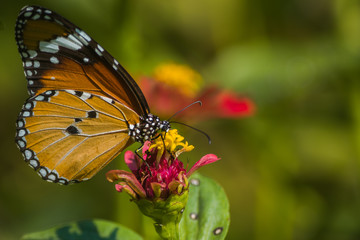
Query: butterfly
point(84, 108)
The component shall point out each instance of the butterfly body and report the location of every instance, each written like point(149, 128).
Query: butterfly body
point(84, 108)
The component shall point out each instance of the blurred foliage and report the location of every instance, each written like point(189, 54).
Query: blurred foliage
point(290, 172)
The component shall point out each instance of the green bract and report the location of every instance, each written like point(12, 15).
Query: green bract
point(166, 213)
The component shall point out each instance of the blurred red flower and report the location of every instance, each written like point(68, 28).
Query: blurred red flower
point(175, 86)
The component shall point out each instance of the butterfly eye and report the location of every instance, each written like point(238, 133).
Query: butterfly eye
point(165, 126)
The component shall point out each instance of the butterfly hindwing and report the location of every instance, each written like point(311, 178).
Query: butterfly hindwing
point(68, 136)
point(57, 55)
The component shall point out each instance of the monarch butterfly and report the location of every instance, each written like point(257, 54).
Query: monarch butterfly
point(84, 108)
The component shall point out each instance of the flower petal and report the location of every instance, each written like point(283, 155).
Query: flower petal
point(207, 159)
point(132, 161)
point(176, 186)
point(145, 148)
point(129, 178)
point(234, 106)
point(124, 187)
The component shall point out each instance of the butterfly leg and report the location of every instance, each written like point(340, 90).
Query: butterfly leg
point(144, 160)
point(163, 140)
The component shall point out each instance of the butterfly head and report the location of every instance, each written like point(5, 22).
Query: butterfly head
point(164, 126)
point(147, 128)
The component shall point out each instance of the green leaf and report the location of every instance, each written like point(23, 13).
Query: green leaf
point(207, 213)
point(87, 229)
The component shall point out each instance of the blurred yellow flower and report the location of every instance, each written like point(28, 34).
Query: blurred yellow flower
point(181, 77)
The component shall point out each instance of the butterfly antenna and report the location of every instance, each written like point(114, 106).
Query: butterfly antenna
point(199, 102)
point(200, 131)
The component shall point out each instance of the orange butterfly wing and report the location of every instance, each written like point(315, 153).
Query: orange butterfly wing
point(59, 55)
point(82, 100)
point(69, 136)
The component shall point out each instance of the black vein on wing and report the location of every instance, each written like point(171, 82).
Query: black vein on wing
point(69, 152)
point(110, 158)
point(82, 110)
point(82, 135)
point(51, 144)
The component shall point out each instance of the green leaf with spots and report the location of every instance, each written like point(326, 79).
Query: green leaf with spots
point(87, 229)
point(207, 214)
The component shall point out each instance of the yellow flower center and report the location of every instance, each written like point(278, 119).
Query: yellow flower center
point(181, 77)
point(172, 142)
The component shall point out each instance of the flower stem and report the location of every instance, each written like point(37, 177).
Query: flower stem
point(168, 231)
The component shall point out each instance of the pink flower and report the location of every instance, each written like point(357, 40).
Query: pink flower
point(158, 182)
point(159, 173)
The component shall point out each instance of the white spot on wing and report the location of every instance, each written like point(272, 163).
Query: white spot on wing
point(27, 14)
point(32, 53)
point(40, 98)
point(54, 60)
point(85, 96)
point(26, 114)
point(36, 64)
point(62, 181)
point(21, 143)
point(21, 132)
point(71, 92)
point(33, 163)
point(65, 42)
point(59, 22)
point(37, 16)
point(27, 154)
point(20, 124)
point(42, 172)
point(98, 52)
point(24, 54)
point(109, 100)
point(51, 177)
point(75, 40)
point(84, 35)
point(100, 48)
point(28, 105)
point(48, 47)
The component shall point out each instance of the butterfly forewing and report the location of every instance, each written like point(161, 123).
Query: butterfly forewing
point(68, 136)
point(58, 55)
point(82, 100)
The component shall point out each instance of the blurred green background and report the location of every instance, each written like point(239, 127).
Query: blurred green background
point(290, 172)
